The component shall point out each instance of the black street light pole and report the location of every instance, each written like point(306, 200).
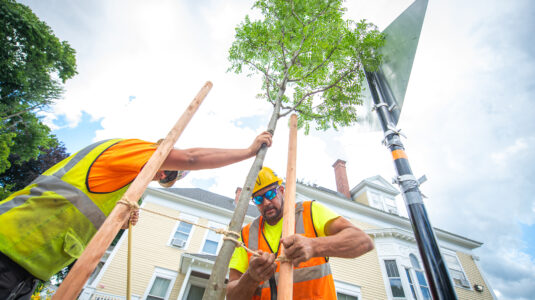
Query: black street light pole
point(435, 267)
point(387, 86)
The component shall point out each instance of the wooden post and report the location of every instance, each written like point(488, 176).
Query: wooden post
point(82, 269)
point(285, 284)
point(129, 264)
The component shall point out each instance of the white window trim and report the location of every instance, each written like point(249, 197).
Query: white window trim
point(162, 273)
point(188, 218)
point(195, 281)
point(382, 201)
point(416, 282)
point(386, 279)
point(219, 244)
point(348, 289)
point(454, 254)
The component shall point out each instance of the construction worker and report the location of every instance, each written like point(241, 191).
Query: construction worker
point(47, 225)
point(320, 233)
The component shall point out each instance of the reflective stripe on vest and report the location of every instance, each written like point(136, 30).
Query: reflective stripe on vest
point(76, 197)
point(313, 278)
point(306, 274)
point(47, 225)
point(54, 183)
point(253, 231)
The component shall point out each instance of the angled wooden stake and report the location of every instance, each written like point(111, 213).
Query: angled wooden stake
point(82, 269)
point(285, 284)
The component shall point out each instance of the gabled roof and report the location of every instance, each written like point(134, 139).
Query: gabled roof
point(403, 223)
point(210, 198)
point(376, 182)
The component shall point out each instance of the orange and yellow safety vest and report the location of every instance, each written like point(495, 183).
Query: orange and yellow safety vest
point(312, 279)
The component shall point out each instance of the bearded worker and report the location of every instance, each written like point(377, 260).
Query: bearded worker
point(320, 233)
point(47, 225)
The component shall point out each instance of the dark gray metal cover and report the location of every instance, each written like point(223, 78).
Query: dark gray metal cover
point(402, 37)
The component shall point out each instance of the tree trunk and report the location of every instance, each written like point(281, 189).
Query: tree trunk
point(216, 284)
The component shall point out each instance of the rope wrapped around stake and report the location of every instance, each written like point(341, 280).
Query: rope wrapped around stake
point(229, 235)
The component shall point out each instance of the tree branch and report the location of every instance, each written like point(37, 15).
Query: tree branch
point(321, 64)
point(295, 15)
point(320, 14)
point(321, 90)
point(22, 111)
point(281, 43)
point(258, 68)
point(268, 92)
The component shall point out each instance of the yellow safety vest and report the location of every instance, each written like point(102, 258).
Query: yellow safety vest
point(311, 279)
point(48, 224)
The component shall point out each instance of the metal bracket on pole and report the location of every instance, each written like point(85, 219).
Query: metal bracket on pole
point(392, 107)
point(411, 182)
point(395, 141)
point(376, 106)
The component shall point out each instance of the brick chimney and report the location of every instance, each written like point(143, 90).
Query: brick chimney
point(237, 197)
point(340, 174)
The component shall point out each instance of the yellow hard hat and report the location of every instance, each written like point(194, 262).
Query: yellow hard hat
point(266, 177)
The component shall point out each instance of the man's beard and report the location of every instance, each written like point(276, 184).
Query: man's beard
point(276, 217)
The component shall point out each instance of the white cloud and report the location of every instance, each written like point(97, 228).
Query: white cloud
point(502, 156)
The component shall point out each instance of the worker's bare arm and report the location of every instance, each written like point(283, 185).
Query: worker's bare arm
point(209, 158)
point(343, 240)
point(243, 285)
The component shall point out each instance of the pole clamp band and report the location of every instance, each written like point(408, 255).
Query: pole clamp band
point(376, 106)
point(392, 107)
point(395, 140)
point(408, 182)
point(393, 130)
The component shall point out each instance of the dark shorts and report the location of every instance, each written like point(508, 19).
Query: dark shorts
point(15, 282)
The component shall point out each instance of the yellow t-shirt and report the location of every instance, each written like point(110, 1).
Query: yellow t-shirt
point(320, 216)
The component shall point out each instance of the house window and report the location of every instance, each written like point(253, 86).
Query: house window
point(424, 287)
point(394, 279)
point(456, 271)
point(159, 289)
point(383, 202)
point(411, 282)
point(211, 242)
point(182, 232)
point(347, 291)
point(195, 293)
point(160, 285)
point(390, 205)
point(375, 201)
point(342, 296)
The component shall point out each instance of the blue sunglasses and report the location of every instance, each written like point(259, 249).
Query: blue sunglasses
point(268, 195)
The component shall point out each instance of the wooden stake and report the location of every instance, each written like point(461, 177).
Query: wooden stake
point(129, 264)
point(82, 269)
point(285, 284)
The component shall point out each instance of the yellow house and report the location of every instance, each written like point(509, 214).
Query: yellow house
point(173, 260)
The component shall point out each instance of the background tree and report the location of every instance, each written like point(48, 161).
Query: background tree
point(311, 62)
point(20, 174)
point(34, 65)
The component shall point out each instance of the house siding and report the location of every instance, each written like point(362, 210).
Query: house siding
point(363, 199)
point(150, 250)
point(363, 271)
point(474, 277)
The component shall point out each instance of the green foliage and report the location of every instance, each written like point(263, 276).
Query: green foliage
point(34, 64)
point(307, 48)
point(21, 174)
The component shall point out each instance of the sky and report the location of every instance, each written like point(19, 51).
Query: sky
point(468, 111)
